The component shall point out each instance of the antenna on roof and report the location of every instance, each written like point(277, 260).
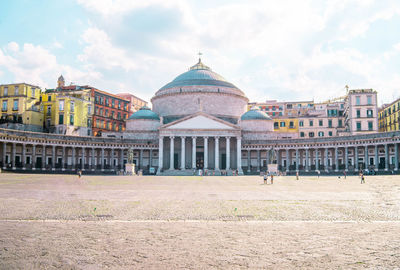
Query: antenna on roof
point(347, 88)
point(200, 54)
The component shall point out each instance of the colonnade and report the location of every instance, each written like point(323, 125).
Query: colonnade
point(204, 152)
point(353, 157)
point(66, 157)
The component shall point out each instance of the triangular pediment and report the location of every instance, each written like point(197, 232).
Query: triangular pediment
point(200, 121)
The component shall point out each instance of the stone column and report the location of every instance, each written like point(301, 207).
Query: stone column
point(121, 161)
point(160, 154)
point(366, 156)
point(4, 155)
point(326, 159)
point(297, 159)
point(287, 160)
point(396, 156)
point(63, 158)
point(336, 159)
point(93, 160)
point(23, 156)
point(316, 160)
point(171, 153)
point(13, 154)
point(216, 153)
point(239, 155)
point(307, 159)
point(102, 159)
point(83, 159)
point(53, 158)
point(43, 157)
point(150, 158)
point(228, 153)
point(356, 158)
point(193, 153)
point(183, 140)
point(376, 161)
point(258, 160)
point(73, 158)
point(346, 158)
point(205, 152)
point(248, 160)
point(140, 158)
point(386, 157)
point(34, 157)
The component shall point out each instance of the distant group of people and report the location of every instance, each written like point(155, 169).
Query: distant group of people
point(266, 178)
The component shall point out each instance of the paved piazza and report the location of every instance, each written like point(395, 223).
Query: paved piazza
point(153, 222)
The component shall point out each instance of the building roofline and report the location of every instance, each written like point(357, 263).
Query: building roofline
point(133, 96)
point(21, 83)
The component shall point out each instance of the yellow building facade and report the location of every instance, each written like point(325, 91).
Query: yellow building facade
point(389, 117)
point(67, 114)
point(285, 125)
point(20, 107)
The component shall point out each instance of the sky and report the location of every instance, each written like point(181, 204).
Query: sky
point(286, 50)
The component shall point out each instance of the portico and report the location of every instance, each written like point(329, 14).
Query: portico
point(200, 141)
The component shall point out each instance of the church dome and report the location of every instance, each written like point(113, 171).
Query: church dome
point(255, 114)
point(145, 113)
point(199, 75)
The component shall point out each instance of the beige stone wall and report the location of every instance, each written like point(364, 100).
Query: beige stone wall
point(211, 103)
point(142, 124)
point(257, 125)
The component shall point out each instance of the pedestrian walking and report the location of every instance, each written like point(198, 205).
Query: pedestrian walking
point(297, 175)
point(318, 172)
point(362, 179)
point(79, 173)
point(272, 179)
point(265, 179)
point(345, 174)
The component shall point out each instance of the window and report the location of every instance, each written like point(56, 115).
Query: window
point(5, 91)
point(298, 105)
point(282, 124)
point(106, 100)
point(33, 92)
point(114, 125)
point(96, 99)
point(71, 119)
point(125, 116)
point(276, 125)
point(370, 125)
point(330, 123)
point(49, 98)
point(369, 113)
point(358, 113)
point(310, 134)
point(311, 123)
point(106, 112)
point(119, 104)
point(320, 123)
point(119, 116)
point(358, 126)
point(16, 90)
point(358, 100)
point(330, 133)
point(273, 114)
point(113, 103)
point(340, 123)
point(15, 107)
point(273, 108)
point(120, 127)
point(61, 105)
point(320, 134)
point(89, 109)
point(61, 119)
point(112, 114)
point(289, 106)
point(72, 106)
point(301, 134)
point(291, 124)
point(280, 113)
point(108, 125)
point(49, 110)
point(101, 100)
point(4, 108)
point(301, 124)
point(369, 100)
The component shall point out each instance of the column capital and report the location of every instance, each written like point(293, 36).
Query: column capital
point(183, 137)
point(172, 137)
